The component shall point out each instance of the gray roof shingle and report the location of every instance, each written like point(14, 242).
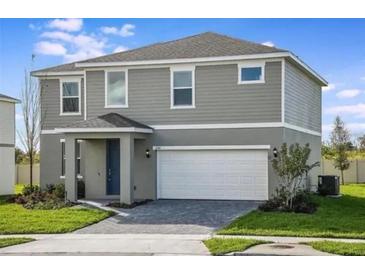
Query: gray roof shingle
point(206, 44)
point(110, 120)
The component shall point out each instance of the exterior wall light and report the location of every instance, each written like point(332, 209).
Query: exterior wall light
point(148, 155)
point(275, 152)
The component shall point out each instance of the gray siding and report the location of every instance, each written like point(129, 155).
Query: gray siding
point(219, 99)
point(50, 159)
point(292, 136)
point(302, 99)
point(50, 105)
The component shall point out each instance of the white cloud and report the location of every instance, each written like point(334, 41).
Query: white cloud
point(58, 35)
point(66, 24)
point(86, 47)
point(268, 43)
point(125, 31)
point(362, 78)
point(329, 87)
point(358, 110)
point(80, 46)
point(120, 49)
point(348, 93)
point(48, 48)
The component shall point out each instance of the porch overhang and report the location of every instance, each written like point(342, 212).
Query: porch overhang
point(104, 130)
point(108, 123)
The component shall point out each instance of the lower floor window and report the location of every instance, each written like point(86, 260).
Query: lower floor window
point(63, 159)
point(78, 158)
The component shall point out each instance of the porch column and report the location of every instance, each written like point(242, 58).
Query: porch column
point(70, 172)
point(126, 169)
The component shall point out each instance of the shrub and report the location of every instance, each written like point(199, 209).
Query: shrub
point(28, 189)
point(302, 203)
point(59, 190)
point(50, 198)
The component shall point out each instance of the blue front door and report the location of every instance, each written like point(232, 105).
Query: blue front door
point(113, 167)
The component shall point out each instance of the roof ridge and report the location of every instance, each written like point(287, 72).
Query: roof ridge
point(145, 46)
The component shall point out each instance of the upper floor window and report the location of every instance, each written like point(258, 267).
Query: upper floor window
point(251, 73)
point(182, 88)
point(70, 97)
point(116, 89)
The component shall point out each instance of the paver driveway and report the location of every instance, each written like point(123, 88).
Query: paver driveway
point(172, 217)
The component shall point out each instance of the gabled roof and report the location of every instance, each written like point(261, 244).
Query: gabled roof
point(111, 122)
point(204, 47)
point(6, 98)
point(208, 44)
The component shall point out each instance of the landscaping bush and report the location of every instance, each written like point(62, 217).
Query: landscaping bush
point(34, 198)
point(302, 203)
point(59, 190)
point(28, 189)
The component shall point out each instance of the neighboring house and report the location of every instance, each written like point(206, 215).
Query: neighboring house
point(7, 144)
point(194, 118)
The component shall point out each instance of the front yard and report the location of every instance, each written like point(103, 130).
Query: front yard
point(15, 219)
point(340, 248)
point(221, 246)
point(335, 218)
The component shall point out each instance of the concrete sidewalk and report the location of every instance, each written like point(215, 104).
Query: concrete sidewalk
point(109, 245)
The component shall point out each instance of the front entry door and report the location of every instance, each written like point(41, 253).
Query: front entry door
point(113, 167)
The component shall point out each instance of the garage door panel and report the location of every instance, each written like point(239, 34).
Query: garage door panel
point(227, 174)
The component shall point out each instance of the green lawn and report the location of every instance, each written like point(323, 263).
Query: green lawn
point(4, 242)
point(335, 218)
point(15, 219)
point(340, 248)
point(220, 246)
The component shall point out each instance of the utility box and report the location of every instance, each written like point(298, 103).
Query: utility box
point(329, 185)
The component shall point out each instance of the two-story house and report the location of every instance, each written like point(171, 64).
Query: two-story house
point(7, 144)
point(194, 118)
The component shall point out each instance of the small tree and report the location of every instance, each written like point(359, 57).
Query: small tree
point(361, 143)
point(291, 166)
point(340, 140)
point(31, 114)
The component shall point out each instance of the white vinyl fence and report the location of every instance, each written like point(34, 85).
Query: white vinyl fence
point(355, 173)
point(22, 175)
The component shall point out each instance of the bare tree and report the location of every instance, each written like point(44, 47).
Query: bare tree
point(340, 140)
point(31, 114)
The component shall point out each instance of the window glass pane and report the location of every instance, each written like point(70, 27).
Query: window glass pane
point(251, 74)
point(182, 79)
point(116, 88)
point(183, 97)
point(78, 166)
point(63, 162)
point(70, 89)
point(78, 149)
point(70, 105)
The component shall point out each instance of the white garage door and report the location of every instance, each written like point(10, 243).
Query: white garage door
point(212, 174)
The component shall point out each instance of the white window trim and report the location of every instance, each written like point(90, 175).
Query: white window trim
point(251, 64)
point(182, 68)
point(106, 88)
point(70, 80)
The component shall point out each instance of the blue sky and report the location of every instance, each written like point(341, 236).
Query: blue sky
point(333, 47)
